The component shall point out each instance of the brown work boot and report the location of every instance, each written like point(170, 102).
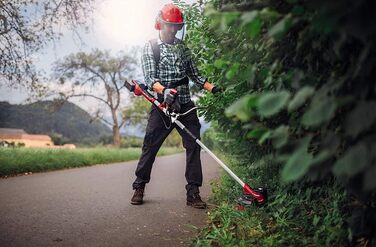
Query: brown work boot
point(195, 201)
point(138, 196)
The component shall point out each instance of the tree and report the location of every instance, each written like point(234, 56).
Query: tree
point(26, 26)
point(137, 114)
point(100, 76)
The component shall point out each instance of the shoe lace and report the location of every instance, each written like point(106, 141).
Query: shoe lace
point(139, 192)
point(197, 196)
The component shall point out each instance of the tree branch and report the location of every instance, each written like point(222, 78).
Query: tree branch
point(87, 95)
point(105, 120)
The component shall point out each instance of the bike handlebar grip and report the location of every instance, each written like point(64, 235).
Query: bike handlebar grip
point(129, 85)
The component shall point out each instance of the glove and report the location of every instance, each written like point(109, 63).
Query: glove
point(169, 95)
point(216, 90)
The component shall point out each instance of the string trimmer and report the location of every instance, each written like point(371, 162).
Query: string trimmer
point(257, 196)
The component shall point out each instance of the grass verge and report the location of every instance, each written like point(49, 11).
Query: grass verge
point(15, 161)
point(300, 214)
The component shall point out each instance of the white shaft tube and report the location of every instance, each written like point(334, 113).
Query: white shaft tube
point(233, 175)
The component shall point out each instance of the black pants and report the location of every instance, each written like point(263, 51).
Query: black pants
point(156, 133)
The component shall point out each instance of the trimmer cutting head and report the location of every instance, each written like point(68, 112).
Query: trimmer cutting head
point(258, 197)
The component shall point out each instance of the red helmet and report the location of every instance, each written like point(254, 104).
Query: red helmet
point(170, 13)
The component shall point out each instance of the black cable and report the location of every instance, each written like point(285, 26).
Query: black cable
point(164, 122)
point(169, 116)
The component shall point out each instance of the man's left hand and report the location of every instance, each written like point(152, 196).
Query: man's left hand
point(169, 95)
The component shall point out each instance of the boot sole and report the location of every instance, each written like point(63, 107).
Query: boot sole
point(196, 206)
point(136, 203)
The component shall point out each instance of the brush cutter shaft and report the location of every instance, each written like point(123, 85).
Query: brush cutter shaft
point(258, 195)
point(233, 175)
point(247, 190)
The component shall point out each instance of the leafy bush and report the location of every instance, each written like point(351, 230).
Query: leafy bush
point(300, 86)
point(301, 214)
point(127, 142)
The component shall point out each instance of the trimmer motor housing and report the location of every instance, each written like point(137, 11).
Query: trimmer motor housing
point(250, 200)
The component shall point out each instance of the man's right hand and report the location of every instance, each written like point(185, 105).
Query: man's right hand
point(169, 95)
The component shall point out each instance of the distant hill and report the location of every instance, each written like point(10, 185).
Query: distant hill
point(47, 117)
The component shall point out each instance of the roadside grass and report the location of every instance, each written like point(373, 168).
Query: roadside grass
point(300, 214)
point(15, 161)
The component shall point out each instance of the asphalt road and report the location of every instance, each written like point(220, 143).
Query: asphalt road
point(91, 206)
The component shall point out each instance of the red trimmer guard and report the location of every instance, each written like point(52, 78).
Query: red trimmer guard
point(251, 196)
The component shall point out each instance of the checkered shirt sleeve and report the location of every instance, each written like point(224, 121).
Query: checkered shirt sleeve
point(175, 64)
point(148, 66)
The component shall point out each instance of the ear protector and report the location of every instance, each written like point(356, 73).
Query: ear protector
point(157, 24)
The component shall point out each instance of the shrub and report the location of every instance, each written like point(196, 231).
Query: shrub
point(299, 79)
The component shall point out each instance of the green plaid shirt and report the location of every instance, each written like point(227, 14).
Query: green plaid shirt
point(175, 63)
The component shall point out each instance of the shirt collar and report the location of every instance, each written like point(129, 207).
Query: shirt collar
point(159, 41)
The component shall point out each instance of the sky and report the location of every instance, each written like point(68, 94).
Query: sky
point(117, 25)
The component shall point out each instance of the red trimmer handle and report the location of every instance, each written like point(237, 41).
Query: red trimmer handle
point(129, 85)
point(137, 89)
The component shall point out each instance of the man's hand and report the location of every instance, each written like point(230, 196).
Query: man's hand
point(157, 87)
point(211, 88)
point(169, 95)
point(216, 90)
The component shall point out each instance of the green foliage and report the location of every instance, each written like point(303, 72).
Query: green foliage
point(58, 139)
point(359, 155)
point(208, 138)
point(100, 76)
point(137, 112)
point(300, 98)
point(298, 163)
point(131, 142)
point(28, 26)
point(271, 103)
point(25, 160)
point(242, 109)
point(321, 111)
point(300, 85)
point(279, 29)
point(173, 140)
point(302, 214)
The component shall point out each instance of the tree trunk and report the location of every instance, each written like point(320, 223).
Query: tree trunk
point(116, 135)
point(115, 125)
point(115, 130)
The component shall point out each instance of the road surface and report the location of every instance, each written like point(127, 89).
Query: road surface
point(91, 206)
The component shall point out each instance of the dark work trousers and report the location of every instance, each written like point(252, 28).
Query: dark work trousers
point(156, 133)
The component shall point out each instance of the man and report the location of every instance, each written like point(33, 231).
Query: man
point(167, 65)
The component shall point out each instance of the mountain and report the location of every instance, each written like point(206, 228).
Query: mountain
point(66, 120)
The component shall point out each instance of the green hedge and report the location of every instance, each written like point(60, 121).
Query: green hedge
point(299, 79)
point(297, 214)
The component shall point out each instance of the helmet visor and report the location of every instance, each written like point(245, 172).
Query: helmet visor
point(177, 26)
